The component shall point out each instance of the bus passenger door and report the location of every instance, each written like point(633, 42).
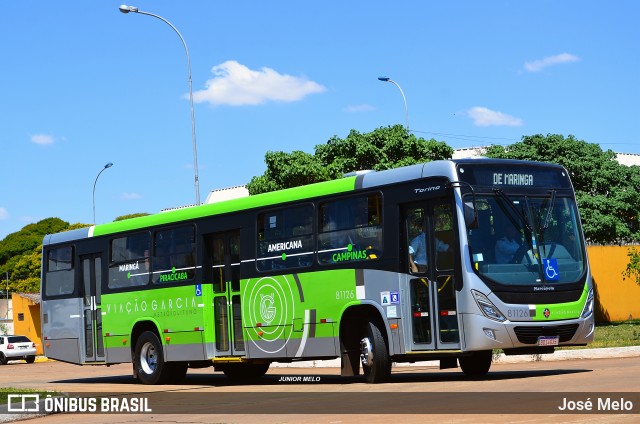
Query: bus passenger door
point(92, 309)
point(224, 251)
point(430, 244)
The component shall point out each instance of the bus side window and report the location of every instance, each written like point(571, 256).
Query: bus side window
point(350, 229)
point(285, 238)
point(59, 276)
point(416, 242)
point(129, 261)
point(444, 236)
point(174, 255)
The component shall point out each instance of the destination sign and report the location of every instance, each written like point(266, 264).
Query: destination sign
point(510, 175)
point(500, 178)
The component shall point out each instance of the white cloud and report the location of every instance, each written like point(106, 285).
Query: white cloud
point(131, 196)
point(538, 65)
point(43, 139)
point(359, 108)
point(236, 85)
point(483, 117)
point(4, 214)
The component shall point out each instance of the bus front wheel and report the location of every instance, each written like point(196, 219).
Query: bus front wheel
point(374, 355)
point(477, 364)
point(148, 359)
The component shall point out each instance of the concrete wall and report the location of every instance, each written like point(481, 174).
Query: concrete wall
point(616, 299)
point(30, 324)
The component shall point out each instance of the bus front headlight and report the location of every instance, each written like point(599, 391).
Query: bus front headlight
point(588, 306)
point(488, 309)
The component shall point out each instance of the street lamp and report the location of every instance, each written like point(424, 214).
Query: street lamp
point(406, 108)
point(109, 165)
point(7, 277)
point(126, 9)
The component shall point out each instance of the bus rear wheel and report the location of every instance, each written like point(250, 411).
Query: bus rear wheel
point(477, 364)
point(148, 359)
point(374, 354)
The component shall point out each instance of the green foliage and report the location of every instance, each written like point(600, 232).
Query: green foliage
point(608, 193)
point(633, 267)
point(28, 238)
point(131, 215)
point(21, 253)
point(383, 148)
point(286, 170)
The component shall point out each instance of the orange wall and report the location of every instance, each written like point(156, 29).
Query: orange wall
point(616, 299)
point(30, 326)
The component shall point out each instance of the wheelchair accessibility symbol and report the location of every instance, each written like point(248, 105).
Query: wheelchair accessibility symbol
point(198, 289)
point(551, 271)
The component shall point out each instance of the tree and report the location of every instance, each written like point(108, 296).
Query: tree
point(129, 216)
point(383, 148)
point(633, 267)
point(29, 237)
point(21, 253)
point(26, 272)
point(607, 192)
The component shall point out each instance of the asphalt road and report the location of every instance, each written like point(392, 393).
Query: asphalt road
point(319, 395)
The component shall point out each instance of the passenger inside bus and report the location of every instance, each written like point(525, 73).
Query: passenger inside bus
point(418, 251)
point(507, 245)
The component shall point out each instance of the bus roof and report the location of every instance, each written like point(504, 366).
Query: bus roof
point(441, 168)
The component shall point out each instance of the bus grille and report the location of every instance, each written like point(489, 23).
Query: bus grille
point(529, 335)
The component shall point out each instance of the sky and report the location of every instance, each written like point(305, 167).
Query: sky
point(84, 85)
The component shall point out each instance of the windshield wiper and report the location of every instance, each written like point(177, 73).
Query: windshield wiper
point(515, 210)
point(547, 219)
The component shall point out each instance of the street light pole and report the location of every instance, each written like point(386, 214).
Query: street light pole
point(126, 9)
point(109, 165)
point(7, 277)
point(406, 108)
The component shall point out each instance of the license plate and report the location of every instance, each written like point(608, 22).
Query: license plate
point(548, 340)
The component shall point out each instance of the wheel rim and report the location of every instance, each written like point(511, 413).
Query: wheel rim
point(366, 353)
point(148, 358)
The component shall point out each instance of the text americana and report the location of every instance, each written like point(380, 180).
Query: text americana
point(287, 245)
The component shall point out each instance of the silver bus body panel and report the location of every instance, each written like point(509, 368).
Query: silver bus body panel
point(439, 168)
point(67, 236)
point(62, 324)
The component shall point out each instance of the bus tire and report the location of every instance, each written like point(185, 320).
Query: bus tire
point(245, 371)
point(148, 359)
point(477, 364)
point(374, 355)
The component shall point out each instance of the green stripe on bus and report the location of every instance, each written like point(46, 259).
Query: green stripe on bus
point(560, 311)
point(274, 198)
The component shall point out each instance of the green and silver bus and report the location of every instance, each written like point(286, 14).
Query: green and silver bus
point(376, 268)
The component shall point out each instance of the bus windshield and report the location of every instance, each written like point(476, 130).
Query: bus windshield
point(527, 240)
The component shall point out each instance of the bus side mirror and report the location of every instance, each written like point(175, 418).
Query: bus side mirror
point(470, 215)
